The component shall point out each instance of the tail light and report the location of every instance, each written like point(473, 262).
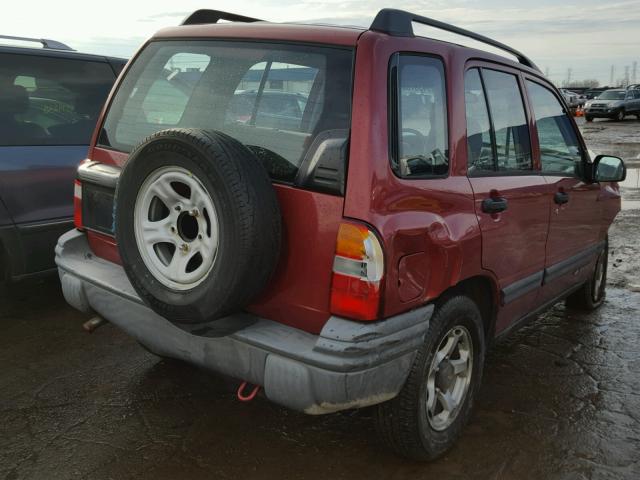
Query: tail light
point(77, 204)
point(358, 268)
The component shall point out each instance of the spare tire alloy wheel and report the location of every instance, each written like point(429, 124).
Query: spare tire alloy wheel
point(198, 224)
point(176, 233)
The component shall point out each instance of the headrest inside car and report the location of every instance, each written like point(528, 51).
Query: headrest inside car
point(13, 100)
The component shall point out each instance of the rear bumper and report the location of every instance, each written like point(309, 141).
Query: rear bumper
point(349, 365)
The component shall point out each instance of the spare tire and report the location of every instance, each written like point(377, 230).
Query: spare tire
point(197, 223)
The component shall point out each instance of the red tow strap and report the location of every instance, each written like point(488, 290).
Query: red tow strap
point(247, 398)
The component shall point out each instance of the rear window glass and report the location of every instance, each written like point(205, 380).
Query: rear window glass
point(50, 101)
point(277, 99)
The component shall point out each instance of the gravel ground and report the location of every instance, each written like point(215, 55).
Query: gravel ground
point(560, 398)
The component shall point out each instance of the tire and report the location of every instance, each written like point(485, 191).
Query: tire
point(588, 118)
point(619, 117)
point(197, 275)
point(593, 293)
point(403, 423)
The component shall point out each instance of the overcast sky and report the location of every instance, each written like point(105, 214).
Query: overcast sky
point(587, 36)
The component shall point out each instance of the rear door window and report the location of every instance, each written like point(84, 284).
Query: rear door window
point(513, 146)
point(50, 101)
point(277, 99)
point(480, 147)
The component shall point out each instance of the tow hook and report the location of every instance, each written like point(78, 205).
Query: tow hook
point(93, 323)
point(247, 397)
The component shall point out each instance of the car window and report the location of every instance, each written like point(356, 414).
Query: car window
point(167, 96)
point(50, 101)
point(513, 145)
point(480, 155)
point(559, 148)
point(282, 102)
point(421, 118)
point(276, 99)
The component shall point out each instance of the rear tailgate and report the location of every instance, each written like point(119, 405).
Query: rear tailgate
point(299, 293)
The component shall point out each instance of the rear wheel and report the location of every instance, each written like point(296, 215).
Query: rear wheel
point(620, 115)
point(593, 293)
point(429, 413)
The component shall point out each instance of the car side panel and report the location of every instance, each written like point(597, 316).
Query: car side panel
point(428, 227)
point(36, 184)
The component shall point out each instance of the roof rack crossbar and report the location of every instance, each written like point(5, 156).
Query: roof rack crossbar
point(214, 16)
point(398, 23)
point(46, 43)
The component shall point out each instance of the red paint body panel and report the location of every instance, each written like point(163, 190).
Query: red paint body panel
point(298, 295)
point(435, 216)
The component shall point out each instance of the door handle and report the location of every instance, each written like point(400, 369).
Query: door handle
point(561, 198)
point(494, 205)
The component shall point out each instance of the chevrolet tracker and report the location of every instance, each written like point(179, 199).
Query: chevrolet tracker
point(343, 217)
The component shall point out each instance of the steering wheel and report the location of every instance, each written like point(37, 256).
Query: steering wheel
point(416, 141)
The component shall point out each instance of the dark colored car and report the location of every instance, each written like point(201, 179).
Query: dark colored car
point(615, 104)
point(50, 99)
point(429, 199)
point(593, 93)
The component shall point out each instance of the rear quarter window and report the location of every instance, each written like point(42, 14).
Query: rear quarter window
point(418, 117)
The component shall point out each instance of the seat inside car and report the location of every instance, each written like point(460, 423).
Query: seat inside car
point(14, 100)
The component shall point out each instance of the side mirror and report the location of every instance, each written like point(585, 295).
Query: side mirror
point(609, 169)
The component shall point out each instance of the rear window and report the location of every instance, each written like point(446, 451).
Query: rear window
point(50, 101)
point(285, 102)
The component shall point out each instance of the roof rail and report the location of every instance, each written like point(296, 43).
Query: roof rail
point(51, 44)
point(633, 86)
point(398, 23)
point(214, 16)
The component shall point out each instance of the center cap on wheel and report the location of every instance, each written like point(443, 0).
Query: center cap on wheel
point(445, 376)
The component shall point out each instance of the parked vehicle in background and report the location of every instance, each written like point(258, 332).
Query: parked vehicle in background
point(615, 104)
point(50, 98)
point(591, 94)
point(338, 267)
point(573, 99)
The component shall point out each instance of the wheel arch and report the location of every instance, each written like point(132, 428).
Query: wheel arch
point(483, 290)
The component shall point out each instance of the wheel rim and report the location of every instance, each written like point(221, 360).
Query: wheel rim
point(176, 228)
point(620, 115)
point(598, 279)
point(449, 378)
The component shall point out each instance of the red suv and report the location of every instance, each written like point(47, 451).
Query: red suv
point(345, 217)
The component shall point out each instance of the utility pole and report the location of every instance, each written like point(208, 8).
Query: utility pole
point(568, 76)
point(546, 72)
point(634, 75)
point(613, 71)
point(626, 75)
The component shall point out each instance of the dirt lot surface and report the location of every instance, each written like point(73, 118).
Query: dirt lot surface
point(560, 399)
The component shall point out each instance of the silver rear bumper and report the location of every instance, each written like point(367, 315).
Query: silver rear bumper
point(349, 365)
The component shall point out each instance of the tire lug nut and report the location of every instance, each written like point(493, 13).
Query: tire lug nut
point(184, 247)
point(194, 212)
point(199, 237)
point(173, 229)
